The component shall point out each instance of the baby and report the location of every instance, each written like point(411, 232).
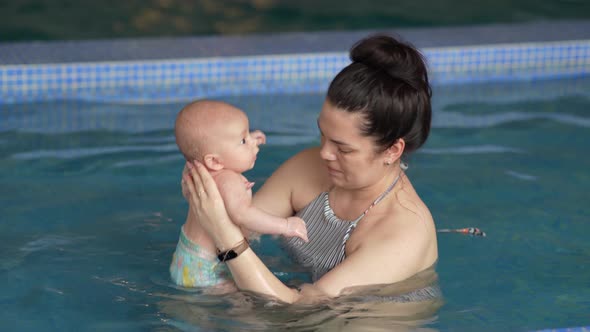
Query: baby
point(217, 135)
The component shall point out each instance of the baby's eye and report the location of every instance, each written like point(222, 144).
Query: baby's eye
point(243, 141)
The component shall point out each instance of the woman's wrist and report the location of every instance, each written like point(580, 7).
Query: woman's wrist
point(226, 235)
point(234, 251)
point(228, 241)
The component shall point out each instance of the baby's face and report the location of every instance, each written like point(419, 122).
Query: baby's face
point(236, 147)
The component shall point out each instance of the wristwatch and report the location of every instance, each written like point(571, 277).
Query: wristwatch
point(233, 252)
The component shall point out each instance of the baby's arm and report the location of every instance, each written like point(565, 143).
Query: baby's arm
point(237, 196)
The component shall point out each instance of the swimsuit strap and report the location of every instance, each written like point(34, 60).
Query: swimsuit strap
point(375, 202)
point(378, 199)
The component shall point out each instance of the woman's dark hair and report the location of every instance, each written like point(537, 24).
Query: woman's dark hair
point(387, 82)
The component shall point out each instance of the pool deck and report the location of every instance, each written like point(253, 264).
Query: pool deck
point(23, 53)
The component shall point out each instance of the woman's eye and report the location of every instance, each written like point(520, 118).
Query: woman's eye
point(243, 141)
point(344, 151)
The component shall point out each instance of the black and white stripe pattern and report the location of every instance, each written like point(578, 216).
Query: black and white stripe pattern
point(327, 235)
point(326, 232)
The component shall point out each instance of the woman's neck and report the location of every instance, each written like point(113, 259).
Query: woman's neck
point(349, 203)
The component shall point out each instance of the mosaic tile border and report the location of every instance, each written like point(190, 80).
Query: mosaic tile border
point(136, 49)
point(172, 79)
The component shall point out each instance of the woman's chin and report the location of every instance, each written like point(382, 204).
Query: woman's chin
point(337, 180)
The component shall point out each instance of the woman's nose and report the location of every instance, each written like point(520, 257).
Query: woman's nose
point(326, 153)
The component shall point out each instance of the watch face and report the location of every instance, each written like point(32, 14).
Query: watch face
point(231, 255)
point(225, 256)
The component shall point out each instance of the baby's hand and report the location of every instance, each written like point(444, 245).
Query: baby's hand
point(248, 184)
point(296, 227)
point(258, 136)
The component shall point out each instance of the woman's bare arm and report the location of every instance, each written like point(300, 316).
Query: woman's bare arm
point(248, 271)
point(295, 183)
point(388, 259)
point(386, 255)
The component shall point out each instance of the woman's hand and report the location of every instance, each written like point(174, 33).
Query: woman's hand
point(208, 208)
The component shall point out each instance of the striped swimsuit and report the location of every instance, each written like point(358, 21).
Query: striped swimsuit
point(327, 235)
point(327, 244)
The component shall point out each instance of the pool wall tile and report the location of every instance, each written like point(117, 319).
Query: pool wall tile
point(162, 80)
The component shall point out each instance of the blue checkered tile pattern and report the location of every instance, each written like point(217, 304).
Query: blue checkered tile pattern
point(164, 80)
point(169, 79)
point(510, 62)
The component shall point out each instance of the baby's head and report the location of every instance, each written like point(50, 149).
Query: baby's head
point(217, 134)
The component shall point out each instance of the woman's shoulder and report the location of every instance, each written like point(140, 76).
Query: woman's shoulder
point(409, 212)
point(403, 218)
point(294, 184)
point(311, 154)
point(306, 163)
point(409, 224)
point(307, 174)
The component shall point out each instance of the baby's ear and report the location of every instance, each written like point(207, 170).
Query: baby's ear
point(213, 162)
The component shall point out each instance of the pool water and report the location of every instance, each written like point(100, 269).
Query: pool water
point(91, 210)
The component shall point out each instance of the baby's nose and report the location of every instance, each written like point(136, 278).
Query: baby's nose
point(252, 143)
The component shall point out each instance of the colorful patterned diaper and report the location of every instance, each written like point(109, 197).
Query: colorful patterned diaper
point(192, 266)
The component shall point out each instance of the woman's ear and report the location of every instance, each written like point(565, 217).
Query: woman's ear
point(395, 151)
point(213, 162)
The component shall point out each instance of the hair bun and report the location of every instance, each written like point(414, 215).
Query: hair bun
point(387, 82)
point(399, 60)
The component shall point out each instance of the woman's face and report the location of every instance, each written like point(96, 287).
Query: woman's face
point(349, 156)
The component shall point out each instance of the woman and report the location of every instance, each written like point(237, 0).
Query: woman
point(366, 223)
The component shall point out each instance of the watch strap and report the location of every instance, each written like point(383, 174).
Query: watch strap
point(234, 252)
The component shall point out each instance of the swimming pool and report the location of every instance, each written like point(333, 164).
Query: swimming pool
point(91, 211)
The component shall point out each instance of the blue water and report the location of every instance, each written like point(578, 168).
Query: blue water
point(91, 208)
